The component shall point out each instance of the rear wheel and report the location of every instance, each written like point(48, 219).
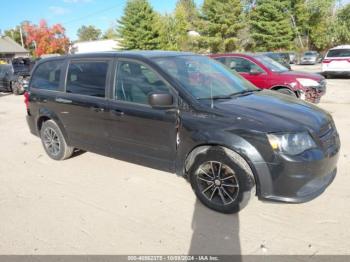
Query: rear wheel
point(54, 142)
point(220, 182)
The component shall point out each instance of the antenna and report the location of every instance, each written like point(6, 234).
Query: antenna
point(211, 95)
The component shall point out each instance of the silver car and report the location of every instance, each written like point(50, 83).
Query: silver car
point(310, 58)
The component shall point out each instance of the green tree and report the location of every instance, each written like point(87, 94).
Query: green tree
point(341, 27)
point(321, 23)
point(300, 20)
point(89, 33)
point(220, 22)
point(14, 34)
point(138, 28)
point(167, 32)
point(271, 25)
point(110, 33)
point(186, 19)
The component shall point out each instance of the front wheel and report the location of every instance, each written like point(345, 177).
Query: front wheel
point(54, 142)
point(220, 182)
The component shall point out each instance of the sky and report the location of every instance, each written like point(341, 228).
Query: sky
point(72, 14)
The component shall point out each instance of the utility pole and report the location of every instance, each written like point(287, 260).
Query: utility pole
point(297, 31)
point(20, 32)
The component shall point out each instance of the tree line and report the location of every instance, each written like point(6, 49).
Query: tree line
point(215, 26)
point(236, 25)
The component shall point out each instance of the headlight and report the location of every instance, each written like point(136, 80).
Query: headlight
point(291, 144)
point(308, 82)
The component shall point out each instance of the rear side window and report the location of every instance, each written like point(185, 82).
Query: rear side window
point(339, 53)
point(87, 78)
point(240, 65)
point(47, 75)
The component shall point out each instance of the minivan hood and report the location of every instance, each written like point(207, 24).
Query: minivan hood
point(270, 111)
point(297, 74)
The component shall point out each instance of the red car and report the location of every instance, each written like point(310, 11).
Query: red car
point(266, 73)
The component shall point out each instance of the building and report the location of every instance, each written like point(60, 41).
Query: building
point(9, 49)
point(94, 46)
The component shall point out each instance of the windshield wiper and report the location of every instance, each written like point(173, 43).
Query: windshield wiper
point(215, 97)
point(229, 96)
point(245, 92)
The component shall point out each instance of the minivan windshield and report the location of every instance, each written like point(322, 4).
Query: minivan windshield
point(204, 78)
point(339, 53)
point(271, 64)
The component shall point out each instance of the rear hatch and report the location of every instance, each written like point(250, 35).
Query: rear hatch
point(337, 60)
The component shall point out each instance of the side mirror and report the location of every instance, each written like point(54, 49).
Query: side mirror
point(161, 100)
point(254, 71)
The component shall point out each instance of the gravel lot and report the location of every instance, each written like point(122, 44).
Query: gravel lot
point(92, 204)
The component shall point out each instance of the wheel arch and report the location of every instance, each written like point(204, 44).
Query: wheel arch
point(235, 154)
point(277, 87)
point(237, 158)
point(45, 115)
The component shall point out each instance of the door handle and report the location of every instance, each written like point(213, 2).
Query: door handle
point(117, 112)
point(64, 101)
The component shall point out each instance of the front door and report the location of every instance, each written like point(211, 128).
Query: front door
point(139, 133)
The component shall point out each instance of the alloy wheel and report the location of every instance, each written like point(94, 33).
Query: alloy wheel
point(51, 141)
point(217, 182)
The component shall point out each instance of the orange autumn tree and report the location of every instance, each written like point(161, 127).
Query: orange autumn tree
point(45, 39)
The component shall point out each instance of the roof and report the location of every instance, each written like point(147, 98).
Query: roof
point(341, 47)
point(7, 45)
point(135, 54)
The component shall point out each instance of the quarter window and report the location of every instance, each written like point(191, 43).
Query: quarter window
point(47, 75)
point(87, 78)
point(136, 81)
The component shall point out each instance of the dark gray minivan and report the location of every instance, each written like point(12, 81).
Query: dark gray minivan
point(186, 114)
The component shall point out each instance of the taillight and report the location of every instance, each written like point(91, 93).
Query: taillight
point(326, 61)
point(26, 99)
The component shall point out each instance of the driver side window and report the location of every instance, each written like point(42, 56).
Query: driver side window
point(242, 65)
point(135, 82)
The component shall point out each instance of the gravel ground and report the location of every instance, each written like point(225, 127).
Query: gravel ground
point(92, 204)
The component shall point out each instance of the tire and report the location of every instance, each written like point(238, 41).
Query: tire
point(228, 188)
point(54, 142)
point(286, 91)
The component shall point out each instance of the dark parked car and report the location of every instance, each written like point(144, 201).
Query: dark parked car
point(6, 77)
point(186, 114)
point(14, 77)
point(266, 73)
point(282, 58)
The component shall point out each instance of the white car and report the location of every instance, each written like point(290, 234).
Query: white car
point(337, 61)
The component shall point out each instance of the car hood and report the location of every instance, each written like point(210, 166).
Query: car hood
point(297, 74)
point(270, 111)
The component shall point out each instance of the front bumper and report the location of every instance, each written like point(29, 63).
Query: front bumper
point(313, 94)
point(297, 179)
